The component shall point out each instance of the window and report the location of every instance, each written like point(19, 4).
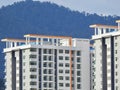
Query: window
point(50, 58)
point(60, 57)
point(33, 69)
point(67, 78)
point(45, 71)
point(50, 78)
point(50, 85)
point(66, 71)
point(33, 63)
point(33, 89)
point(67, 85)
point(44, 57)
point(61, 84)
point(45, 51)
point(66, 51)
point(33, 56)
point(66, 58)
point(33, 49)
point(78, 86)
point(116, 58)
point(67, 65)
point(61, 64)
point(78, 53)
point(50, 65)
point(45, 78)
point(44, 64)
point(33, 76)
point(78, 73)
point(50, 71)
point(115, 51)
point(33, 83)
point(78, 66)
point(50, 51)
point(78, 79)
point(60, 71)
point(60, 51)
point(78, 59)
point(60, 77)
point(45, 84)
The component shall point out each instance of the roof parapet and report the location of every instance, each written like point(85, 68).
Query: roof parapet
point(117, 21)
point(103, 29)
point(35, 39)
point(45, 36)
point(103, 26)
point(13, 40)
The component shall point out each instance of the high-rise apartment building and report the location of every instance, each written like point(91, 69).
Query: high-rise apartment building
point(47, 63)
point(106, 58)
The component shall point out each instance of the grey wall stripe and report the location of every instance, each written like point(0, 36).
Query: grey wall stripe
point(13, 71)
point(40, 69)
point(112, 64)
point(55, 59)
point(104, 65)
point(20, 69)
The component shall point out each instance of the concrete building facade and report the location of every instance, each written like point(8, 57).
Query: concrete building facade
point(106, 57)
point(47, 63)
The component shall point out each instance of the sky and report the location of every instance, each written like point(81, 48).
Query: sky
point(104, 7)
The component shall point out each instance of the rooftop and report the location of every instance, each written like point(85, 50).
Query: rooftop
point(100, 29)
point(35, 39)
point(103, 26)
point(105, 30)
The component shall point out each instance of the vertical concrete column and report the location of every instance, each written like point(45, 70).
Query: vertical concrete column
point(11, 44)
point(56, 42)
point(104, 30)
point(48, 39)
point(41, 39)
point(7, 44)
point(95, 31)
point(37, 41)
point(99, 31)
point(15, 44)
point(118, 25)
point(26, 41)
point(109, 29)
point(53, 42)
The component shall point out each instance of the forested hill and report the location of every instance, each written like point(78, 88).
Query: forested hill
point(46, 18)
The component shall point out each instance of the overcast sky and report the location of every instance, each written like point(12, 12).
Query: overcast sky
point(105, 7)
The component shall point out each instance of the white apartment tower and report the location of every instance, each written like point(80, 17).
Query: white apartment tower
point(47, 63)
point(106, 60)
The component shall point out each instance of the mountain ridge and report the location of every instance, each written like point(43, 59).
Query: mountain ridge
point(24, 13)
